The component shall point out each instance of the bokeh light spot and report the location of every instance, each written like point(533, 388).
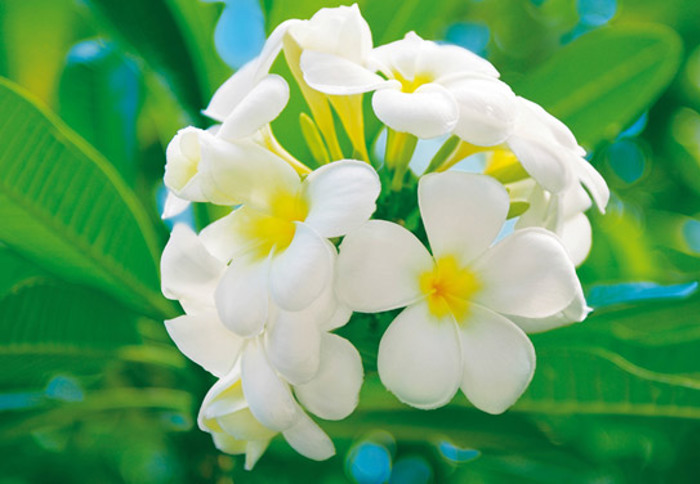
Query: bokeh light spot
point(627, 160)
point(691, 234)
point(457, 454)
point(369, 463)
point(411, 470)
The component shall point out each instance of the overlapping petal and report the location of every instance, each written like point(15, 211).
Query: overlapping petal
point(419, 358)
point(248, 173)
point(188, 271)
point(337, 75)
point(378, 267)
point(308, 439)
point(428, 112)
point(498, 360)
point(333, 393)
point(261, 106)
point(242, 297)
point(294, 345)
point(341, 197)
point(299, 274)
point(462, 213)
point(205, 340)
point(527, 274)
point(486, 114)
point(270, 399)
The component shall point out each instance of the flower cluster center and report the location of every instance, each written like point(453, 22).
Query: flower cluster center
point(448, 288)
point(276, 230)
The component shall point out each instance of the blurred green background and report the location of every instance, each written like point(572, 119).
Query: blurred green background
point(93, 391)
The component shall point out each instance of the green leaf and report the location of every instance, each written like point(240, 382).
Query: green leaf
point(64, 207)
point(150, 29)
point(602, 81)
point(100, 405)
point(15, 269)
point(51, 327)
point(99, 96)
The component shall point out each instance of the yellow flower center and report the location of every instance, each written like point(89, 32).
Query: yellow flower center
point(410, 85)
point(448, 288)
point(275, 231)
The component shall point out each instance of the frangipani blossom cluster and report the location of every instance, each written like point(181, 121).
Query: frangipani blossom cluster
point(265, 287)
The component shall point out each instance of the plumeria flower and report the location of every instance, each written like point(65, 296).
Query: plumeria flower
point(296, 352)
point(231, 417)
point(277, 240)
point(463, 302)
point(423, 88)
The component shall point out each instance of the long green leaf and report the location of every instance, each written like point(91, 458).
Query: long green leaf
point(49, 327)
point(65, 208)
point(602, 81)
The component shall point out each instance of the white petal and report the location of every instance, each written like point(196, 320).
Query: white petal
point(379, 266)
point(537, 118)
point(462, 212)
point(253, 452)
point(527, 274)
point(419, 358)
point(577, 237)
point(334, 392)
point(428, 112)
point(270, 398)
point(308, 439)
point(183, 155)
point(399, 56)
point(206, 341)
point(224, 397)
point(340, 318)
point(337, 75)
point(294, 345)
point(575, 312)
point(595, 183)
point(499, 360)
point(247, 173)
point(341, 196)
point(232, 91)
point(239, 85)
point(542, 162)
point(340, 31)
point(242, 297)
point(188, 271)
point(259, 107)
point(243, 425)
point(228, 444)
point(299, 274)
point(486, 110)
point(444, 61)
point(173, 206)
point(229, 237)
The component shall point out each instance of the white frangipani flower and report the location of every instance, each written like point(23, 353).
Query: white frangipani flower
point(227, 415)
point(426, 89)
point(459, 329)
point(277, 239)
point(253, 400)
